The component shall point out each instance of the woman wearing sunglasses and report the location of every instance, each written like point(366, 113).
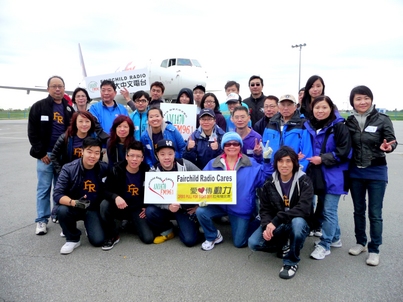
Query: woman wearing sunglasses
point(250, 175)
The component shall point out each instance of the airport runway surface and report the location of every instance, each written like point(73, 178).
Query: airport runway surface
point(32, 269)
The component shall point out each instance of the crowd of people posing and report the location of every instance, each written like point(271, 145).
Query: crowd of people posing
point(293, 160)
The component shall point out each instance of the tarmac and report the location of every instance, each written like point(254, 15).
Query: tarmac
point(32, 268)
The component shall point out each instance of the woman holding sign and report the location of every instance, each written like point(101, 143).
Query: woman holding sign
point(159, 216)
point(157, 130)
point(250, 175)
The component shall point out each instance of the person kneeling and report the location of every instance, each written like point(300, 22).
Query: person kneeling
point(285, 210)
point(78, 193)
point(125, 197)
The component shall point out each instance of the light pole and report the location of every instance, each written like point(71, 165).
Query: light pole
point(300, 48)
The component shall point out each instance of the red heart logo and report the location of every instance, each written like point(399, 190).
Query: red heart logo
point(201, 190)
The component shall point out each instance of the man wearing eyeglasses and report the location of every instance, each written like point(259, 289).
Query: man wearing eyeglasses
point(125, 197)
point(270, 107)
point(256, 99)
point(48, 119)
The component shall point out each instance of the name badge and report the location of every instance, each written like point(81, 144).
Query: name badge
point(44, 118)
point(249, 151)
point(371, 129)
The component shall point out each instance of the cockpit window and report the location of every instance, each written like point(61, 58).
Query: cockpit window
point(184, 62)
point(196, 63)
point(172, 62)
point(164, 63)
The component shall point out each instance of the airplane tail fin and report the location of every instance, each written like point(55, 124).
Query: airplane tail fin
point(82, 61)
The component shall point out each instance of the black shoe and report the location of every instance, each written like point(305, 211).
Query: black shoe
point(110, 243)
point(283, 252)
point(288, 271)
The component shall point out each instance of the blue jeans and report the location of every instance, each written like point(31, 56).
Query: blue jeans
point(376, 191)
point(296, 231)
point(160, 221)
point(46, 175)
point(109, 212)
point(241, 228)
point(68, 217)
point(330, 220)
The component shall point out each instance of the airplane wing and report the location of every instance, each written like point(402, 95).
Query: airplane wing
point(29, 89)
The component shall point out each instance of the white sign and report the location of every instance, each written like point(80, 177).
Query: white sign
point(182, 116)
point(132, 80)
point(190, 187)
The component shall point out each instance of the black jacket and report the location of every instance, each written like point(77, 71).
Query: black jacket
point(40, 124)
point(272, 208)
point(366, 151)
point(116, 183)
point(255, 107)
point(70, 182)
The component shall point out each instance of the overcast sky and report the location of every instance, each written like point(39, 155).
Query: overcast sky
point(349, 43)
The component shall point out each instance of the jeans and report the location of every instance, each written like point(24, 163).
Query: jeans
point(376, 191)
point(160, 221)
point(241, 228)
point(109, 212)
point(46, 175)
point(330, 220)
point(296, 231)
point(68, 217)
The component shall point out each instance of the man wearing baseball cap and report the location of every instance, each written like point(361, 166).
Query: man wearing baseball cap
point(233, 100)
point(286, 128)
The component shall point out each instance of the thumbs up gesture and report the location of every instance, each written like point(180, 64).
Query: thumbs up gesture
point(191, 143)
point(267, 151)
point(214, 145)
point(257, 150)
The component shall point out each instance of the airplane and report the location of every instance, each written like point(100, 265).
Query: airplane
point(174, 72)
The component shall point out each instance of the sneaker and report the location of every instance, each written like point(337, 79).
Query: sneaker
point(62, 234)
point(316, 233)
point(283, 252)
point(55, 220)
point(41, 228)
point(209, 245)
point(320, 253)
point(288, 271)
point(333, 244)
point(373, 259)
point(161, 239)
point(110, 243)
point(357, 249)
point(69, 247)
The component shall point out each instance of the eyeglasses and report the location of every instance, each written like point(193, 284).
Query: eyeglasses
point(133, 156)
point(233, 144)
point(239, 117)
point(207, 119)
point(141, 101)
point(56, 86)
point(254, 84)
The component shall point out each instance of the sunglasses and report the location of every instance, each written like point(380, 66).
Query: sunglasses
point(254, 84)
point(234, 144)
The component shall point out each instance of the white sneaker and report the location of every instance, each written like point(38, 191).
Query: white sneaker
point(333, 244)
point(62, 234)
point(373, 259)
point(209, 245)
point(357, 249)
point(69, 247)
point(320, 253)
point(41, 228)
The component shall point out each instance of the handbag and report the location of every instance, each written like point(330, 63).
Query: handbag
point(315, 172)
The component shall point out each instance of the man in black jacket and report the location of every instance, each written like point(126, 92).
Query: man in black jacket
point(285, 211)
point(125, 196)
point(256, 99)
point(48, 119)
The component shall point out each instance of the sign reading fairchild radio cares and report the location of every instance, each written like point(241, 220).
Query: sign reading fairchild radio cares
point(132, 80)
point(182, 116)
point(190, 187)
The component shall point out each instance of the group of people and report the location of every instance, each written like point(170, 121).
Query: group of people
point(293, 160)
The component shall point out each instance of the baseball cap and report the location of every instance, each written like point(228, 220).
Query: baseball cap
point(200, 86)
point(164, 143)
point(287, 97)
point(232, 98)
point(206, 111)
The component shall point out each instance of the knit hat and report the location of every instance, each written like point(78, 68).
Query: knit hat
point(231, 136)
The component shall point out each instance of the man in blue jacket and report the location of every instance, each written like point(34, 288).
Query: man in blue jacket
point(107, 109)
